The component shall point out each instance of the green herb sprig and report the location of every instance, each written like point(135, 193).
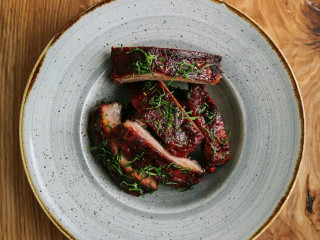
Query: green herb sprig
point(133, 186)
point(142, 67)
point(120, 51)
point(106, 156)
point(186, 69)
point(186, 113)
point(154, 171)
point(136, 158)
point(182, 169)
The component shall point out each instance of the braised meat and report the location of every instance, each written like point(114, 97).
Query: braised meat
point(215, 147)
point(131, 64)
point(163, 113)
point(104, 146)
point(150, 157)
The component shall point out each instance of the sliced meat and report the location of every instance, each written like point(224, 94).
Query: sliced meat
point(146, 181)
point(130, 113)
point(102, 121)
point(132, 64)
point(216, 146)
point(147, 153)
point(163, 113)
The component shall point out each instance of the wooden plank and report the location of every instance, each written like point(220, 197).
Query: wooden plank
point(295, 27)
point(27, 26)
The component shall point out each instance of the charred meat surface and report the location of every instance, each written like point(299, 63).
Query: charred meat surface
point(102, 121)
point(131, 64)
point(163, 113)
point(151, 158)
point(215, 147)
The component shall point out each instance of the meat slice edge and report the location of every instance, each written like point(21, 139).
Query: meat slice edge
point(102, 121)
point(136, 141)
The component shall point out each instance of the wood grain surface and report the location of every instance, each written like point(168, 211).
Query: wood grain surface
point(27, 26)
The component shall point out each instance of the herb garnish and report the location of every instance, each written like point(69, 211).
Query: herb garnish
point(212, 135)
point(161, 172)
point(214, 152)
point(134, 159)
point(149, 85)
point(185, 115)
point(154, 171)
point(182, 169)
point(157, 101)
point(222, 141)
point(186, 69)
point(109, 125)
point(142, 67)
point(133, 186)
point(211, 117)
point(120, 51)
point(203, 108)
point(106, 156)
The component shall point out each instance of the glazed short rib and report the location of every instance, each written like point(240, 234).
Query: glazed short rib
point(150, 157)
point(102, 121)
point(131, 64)
point(164, 114)
point(208, 119)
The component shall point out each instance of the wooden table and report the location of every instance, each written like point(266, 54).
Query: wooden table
point(26, 28)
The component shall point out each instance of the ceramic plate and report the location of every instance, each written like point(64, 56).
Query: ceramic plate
point(258, 98)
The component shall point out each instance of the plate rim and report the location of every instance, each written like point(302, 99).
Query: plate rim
point(37, 67)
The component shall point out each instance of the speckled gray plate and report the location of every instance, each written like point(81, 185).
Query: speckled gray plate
point(258, 98)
